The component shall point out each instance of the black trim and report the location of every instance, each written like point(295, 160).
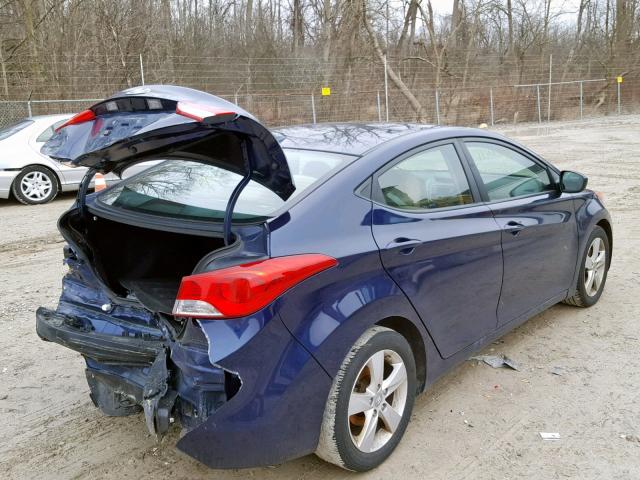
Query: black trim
point(71, 332)
point(364, 189)
point(231, 203)
point(82, 190)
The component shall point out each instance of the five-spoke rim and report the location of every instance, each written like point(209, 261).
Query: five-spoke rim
point(36, 185)
point(595, 266)
point(377, 401)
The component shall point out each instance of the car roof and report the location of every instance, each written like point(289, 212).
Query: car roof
point(50, 118)
point(360, 138)
point(348, 138)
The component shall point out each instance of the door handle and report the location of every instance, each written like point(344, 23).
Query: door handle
point(406, 245)
point(514, 227)
point(515, 224)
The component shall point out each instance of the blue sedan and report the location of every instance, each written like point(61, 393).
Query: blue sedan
point(280, 293)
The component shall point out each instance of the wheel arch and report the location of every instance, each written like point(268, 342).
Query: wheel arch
point(590, 213)
point(411, 334)
point(330, 333)
point(606, 226)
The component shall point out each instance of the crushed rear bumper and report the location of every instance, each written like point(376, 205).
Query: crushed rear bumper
point(241, 390)
point(78, 334)
point(127, 373)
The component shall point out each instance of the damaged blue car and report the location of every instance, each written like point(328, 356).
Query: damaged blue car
point(280, 293)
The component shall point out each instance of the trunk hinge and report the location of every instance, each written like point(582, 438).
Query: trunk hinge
point(228, 214)
point(82, 191)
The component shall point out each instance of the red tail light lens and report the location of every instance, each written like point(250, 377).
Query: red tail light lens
point(242, 290)
point(200, 112)
point(85, 116)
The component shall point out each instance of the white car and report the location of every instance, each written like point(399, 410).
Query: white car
point(31, 176)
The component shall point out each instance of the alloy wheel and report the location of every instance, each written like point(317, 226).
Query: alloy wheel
point(595, 266)
point(36, 186)
point(377, 401)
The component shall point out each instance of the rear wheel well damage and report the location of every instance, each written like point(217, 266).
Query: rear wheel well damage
point(410, 332)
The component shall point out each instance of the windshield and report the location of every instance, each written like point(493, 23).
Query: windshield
point(14, 128)
point(199, 191)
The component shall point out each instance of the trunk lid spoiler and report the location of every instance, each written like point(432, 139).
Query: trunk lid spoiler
point(165, 121)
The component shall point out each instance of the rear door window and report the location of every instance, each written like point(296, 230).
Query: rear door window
point(14, 128)
point(506, 173)
point(433, 178)
point(181, 188)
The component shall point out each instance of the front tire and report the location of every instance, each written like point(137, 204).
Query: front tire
point(35, 185)
point(593, 270)
point(370, 402)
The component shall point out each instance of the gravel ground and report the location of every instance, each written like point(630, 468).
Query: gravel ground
point(476, 422)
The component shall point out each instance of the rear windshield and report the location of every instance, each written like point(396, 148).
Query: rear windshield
point(14, 128)
point(198, 191)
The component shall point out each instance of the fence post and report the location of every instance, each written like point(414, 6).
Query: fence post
point(437, 107)
point(539, 109)
point(29, 108)
point(235, 98)
point(379, 109)
point(386, 90)
point(491, 105)
point(141, 70)
point(313, 107)
point(549, 104)
point(619, 110)
point(581, 101)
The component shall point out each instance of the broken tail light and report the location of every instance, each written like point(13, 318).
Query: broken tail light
point(245, 289)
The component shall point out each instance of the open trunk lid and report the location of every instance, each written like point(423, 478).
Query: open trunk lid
point(157, 121)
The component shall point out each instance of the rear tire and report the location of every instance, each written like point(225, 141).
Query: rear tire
point(370, 402)
point(35, 185)
point(593, 270)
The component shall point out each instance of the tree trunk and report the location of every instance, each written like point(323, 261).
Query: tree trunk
point(408, 26)
point(455, 24)
point(297, 26)
point(415, 104)
point(248, 21)
point(5, 83)
point(510, 50)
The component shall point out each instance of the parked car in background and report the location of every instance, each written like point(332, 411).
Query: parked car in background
point(28, 174)
point(279, 293)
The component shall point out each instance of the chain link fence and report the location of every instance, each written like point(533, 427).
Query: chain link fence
point(471, 106)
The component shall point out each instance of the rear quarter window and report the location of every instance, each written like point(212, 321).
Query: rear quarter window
point(48, 133)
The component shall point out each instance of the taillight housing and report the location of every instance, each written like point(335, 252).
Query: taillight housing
point(82, 117)
point(245, 289)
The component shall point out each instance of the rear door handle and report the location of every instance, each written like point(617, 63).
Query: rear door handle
point(405, 245)
point(514, 227)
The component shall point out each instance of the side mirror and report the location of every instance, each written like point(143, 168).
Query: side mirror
point(572, 182)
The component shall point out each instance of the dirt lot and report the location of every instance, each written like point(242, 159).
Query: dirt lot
point(476, 422)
